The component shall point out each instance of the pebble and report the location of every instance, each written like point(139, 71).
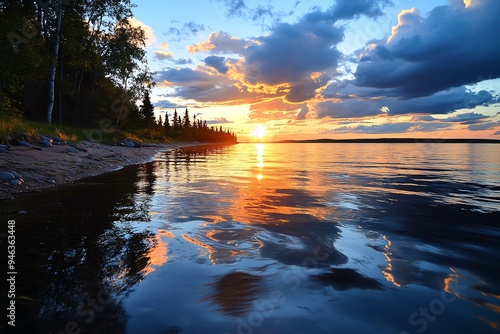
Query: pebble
point(6, 177)
point(51, 181)
point(22, 212)
point(15, 182)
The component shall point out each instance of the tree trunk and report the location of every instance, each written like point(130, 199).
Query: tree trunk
point(61, 77)
point(52, 77)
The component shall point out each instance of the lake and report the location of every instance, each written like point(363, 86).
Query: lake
point(268, 238)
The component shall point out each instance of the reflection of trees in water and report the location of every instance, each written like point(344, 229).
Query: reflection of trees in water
point(234, 293)
point(78, 264)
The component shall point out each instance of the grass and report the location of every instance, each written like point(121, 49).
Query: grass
point(22, 129)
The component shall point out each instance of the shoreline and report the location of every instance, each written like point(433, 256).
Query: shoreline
point(35, 170)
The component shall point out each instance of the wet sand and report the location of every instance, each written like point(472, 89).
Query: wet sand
point(63, 164)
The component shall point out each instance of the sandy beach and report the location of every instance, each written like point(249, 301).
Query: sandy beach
point(36, 169)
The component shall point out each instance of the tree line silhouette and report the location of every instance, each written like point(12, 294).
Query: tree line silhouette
point(182, 127)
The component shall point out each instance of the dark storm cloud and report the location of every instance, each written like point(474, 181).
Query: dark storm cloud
point(360, 102)
point(219, 63)
point(451, 47)
point(292, 52)
point(347, 10)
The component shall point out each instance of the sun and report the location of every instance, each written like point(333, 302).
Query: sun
point(259, 132)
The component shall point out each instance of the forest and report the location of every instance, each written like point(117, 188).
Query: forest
point(82, 63)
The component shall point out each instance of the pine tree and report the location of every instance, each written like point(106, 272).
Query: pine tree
point(174, 122)
point(167, 125)
point(187, 123)
point(147, 111)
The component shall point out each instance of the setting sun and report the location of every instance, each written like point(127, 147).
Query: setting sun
point(259, 132)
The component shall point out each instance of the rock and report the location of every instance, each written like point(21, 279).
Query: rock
point(22, 212)
point(127, 143)
point(42, 137)
point(51, 181)
point(16, 142)
point(3, 149)
point(24, 143)
point(131, 143)
point(81, 149)
point(16, 175)
point(45, 143)
point(72, 150)
point(6, 177)
point(38, 148)
point(15, 182)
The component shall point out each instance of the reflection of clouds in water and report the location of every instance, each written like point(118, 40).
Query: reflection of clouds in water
point(158, 254)
point(474, 290)
point(234, 293)
point(342, 279)
point(224, 242)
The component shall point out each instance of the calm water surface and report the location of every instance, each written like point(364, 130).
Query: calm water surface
point(268, 238)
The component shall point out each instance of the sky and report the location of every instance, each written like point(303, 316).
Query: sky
point(328, 69)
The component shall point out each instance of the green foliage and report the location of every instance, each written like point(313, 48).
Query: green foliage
point(100, 59)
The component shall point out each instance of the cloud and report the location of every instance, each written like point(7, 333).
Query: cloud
point(352, 101)
point(467, 118)
point(484, 126)
point(219, 63)
point(241, 9)
point(148, 31)
point(451, 47)
point(202, 86)
point(349, 9)
point(183, 61)
point(277, 109)
point(220, 120)
point(164, 55)
point(220, 42)
point(166, 104)
point(188, 29)
point(401, 127)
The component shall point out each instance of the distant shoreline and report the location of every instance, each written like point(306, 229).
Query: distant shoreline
point(393, 141)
